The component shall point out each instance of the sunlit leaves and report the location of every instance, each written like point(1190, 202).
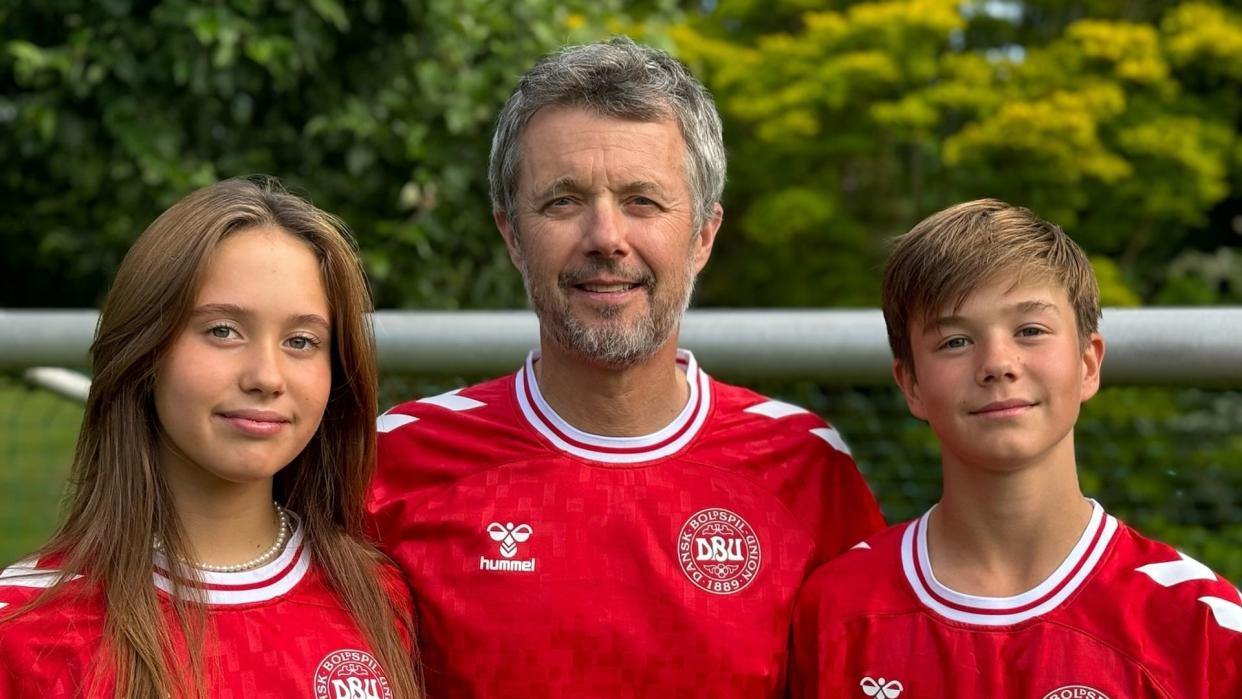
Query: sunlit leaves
point(1120, 125)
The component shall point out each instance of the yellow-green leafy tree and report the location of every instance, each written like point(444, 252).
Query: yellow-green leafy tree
point(847, 125)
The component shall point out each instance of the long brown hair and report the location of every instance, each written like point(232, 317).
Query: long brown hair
point(119, 500)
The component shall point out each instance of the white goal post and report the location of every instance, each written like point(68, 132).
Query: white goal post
point(1198, 346)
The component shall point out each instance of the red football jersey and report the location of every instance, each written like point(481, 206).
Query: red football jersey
point(276, 631)
point(548, 562)
point(1123, 617)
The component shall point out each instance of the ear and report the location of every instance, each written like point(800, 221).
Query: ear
point(508, 231)
point(707, 237)
point(1092, 360)
point(909, 385)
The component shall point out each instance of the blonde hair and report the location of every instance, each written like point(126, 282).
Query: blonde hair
point(119, 500)
point(950, 253)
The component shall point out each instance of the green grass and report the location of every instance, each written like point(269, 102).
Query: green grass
point(37, 433)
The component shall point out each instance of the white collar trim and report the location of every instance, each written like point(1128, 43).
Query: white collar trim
point(620, 450)
point(1004, 611)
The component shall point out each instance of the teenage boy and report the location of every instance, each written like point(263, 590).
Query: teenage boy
point(1014, 585)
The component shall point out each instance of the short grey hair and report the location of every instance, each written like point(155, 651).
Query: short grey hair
point(621, 79)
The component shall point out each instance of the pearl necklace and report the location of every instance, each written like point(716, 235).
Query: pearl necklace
point(282, 536)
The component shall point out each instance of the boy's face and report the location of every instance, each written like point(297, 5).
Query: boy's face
point(1001, 379)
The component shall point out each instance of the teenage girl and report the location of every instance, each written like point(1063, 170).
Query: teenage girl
point(212, 544)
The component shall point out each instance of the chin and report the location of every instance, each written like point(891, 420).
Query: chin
point(250, 472)
point(1008, 458)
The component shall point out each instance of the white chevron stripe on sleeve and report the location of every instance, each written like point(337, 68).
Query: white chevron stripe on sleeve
point(35, 580)
point(1176, 572)
point(776, 409)
point(452, 401)
point(832, 437)
point(391, 421)
point(1228, 614)
point(860, 545)
point(25, 574)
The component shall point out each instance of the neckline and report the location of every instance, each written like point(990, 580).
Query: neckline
point(261, 584)
point(617, 450)
point(1004, 611)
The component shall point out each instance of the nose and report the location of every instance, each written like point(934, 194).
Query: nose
point(263, 372)
point(605, 234)
point(998, 361)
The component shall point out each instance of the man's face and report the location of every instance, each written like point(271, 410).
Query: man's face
point(1001, 378)
point(604, 234)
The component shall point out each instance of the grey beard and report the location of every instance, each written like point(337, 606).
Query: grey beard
point(611, 345)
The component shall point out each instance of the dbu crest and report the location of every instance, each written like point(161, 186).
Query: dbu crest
point(350, 674)
point(718, 551)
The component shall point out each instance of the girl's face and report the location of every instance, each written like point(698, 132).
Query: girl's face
point(244, 386)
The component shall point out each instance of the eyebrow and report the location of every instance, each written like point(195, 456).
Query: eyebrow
point(231, 309)
point(559, 186)
point(1020, 308)
point(568, 183)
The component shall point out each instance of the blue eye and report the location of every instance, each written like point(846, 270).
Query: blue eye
point(222, 332)
point(954, 343)
point(303, 342)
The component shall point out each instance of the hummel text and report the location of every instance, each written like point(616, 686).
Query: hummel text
point(526, 566)
point(508, 536)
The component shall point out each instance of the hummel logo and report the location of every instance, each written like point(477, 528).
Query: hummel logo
point(508, 535)
point(880, 689)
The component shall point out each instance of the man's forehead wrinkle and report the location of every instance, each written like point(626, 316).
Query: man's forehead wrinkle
point(613, 143)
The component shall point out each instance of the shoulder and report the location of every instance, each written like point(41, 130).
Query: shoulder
point(743, 408)
point(752, 424)
point(54, 642)
point(28, 579)
point(865, 578)
point(1179, 616)
point(449, 409)
point(797, 457)
point(1181, 589)
point(840, 596)
point(424, 441)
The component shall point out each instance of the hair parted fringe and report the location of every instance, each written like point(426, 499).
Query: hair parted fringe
point(950, 253)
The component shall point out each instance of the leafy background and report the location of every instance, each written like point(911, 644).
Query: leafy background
point(846, 123)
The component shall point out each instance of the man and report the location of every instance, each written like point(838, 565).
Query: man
point(610, 521)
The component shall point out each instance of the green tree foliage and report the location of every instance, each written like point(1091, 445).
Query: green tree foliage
point(847, 125)
point(380, 111)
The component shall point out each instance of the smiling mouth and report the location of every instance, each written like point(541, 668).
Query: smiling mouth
point(255, 423)
point(1003, 409)
point(613, 288)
